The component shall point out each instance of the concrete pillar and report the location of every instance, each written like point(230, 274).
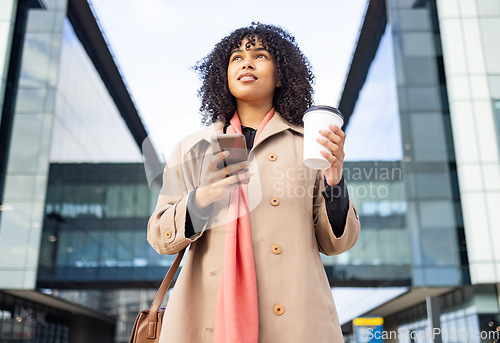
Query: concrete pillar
point(433, 318)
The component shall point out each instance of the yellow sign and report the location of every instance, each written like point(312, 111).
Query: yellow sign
point(368, 321)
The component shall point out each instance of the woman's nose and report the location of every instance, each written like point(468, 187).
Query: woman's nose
point(248, 65)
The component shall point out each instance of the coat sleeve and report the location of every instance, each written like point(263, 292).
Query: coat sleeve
point(328, 243)
point(166, 226)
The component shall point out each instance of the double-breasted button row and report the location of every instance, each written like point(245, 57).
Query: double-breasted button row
point(274, 201)
point(278, 309)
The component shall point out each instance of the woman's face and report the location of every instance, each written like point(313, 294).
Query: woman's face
point(251, 74)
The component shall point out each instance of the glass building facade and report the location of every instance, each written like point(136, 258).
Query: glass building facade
point(88, 127)
point(74, 195)
point(434, 209)
point(26, 126)
point(472, 66)
point(94, 233)
point(441, 66)
point(381, 254)
point(402, 113)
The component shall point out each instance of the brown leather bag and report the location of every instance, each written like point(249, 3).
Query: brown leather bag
point(147, 325)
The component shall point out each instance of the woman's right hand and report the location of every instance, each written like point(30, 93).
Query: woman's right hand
point(216, 183)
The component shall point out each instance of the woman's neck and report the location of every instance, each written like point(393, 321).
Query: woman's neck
point(252, 115)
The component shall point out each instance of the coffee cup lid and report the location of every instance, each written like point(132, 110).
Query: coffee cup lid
point(324, 108)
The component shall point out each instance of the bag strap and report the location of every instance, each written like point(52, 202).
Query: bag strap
point(160, 295)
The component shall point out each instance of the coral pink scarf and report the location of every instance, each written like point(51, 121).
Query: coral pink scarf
point(237, 312)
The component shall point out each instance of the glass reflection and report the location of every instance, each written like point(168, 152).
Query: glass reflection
point(87, 125)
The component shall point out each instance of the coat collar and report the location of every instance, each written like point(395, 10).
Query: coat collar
point(276, 125)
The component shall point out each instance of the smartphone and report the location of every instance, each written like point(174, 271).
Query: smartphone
point(235, 144)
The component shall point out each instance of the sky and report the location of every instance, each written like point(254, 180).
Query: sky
point(156, 45)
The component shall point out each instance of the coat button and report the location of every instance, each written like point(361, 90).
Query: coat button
point(168, 234)
point(276, 249)
point(272, 157)
point(278, 310)
point(275, 201)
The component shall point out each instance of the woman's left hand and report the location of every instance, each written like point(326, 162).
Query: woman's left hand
point(334, 141)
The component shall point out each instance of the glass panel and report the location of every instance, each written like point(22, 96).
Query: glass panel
point(496, 115)
point(429, 144)
point(414, 19)
point(479, 243)
point(439, 247)
point(474, 49)
point(471, 178)
point(382, 250)
point(374, 129)
point(25, 148)
point(96, 219)
point(479, 87)
point(433, 185)
point(493, 204)
point(424, 98)
point(423, 71)
point(19, 187)
point(401, 3)
point(37, 56)
point(441, 277)
point(448, 8)
point(454, 50)
point(489, 30)
point(494, 87)
point(468, 8)
point(16, 224)
point(88, 127)
point(437, 214)
point(30, 100)
point(418, 44)
point(6, 8)
point(40, 20)
point(488, 8)
point(5, 31)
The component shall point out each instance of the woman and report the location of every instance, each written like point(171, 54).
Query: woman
point(253, 272)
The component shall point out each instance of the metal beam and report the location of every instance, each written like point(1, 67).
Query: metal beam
point(89, 33)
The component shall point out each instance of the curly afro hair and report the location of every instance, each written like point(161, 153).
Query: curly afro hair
point(293, 71)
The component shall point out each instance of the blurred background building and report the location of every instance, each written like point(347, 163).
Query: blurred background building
point(74, 262)
point(74, 196)
point(436, 66)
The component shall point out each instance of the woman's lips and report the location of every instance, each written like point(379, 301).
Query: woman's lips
point(247, 77)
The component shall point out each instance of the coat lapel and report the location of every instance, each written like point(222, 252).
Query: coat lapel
point(276, 125)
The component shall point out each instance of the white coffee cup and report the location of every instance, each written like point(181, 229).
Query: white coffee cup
point(317, 118)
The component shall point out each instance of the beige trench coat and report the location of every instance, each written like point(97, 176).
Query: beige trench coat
point(289, 227)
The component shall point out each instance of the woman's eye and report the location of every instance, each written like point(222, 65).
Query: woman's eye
point(236, 58)
point(261, 56)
